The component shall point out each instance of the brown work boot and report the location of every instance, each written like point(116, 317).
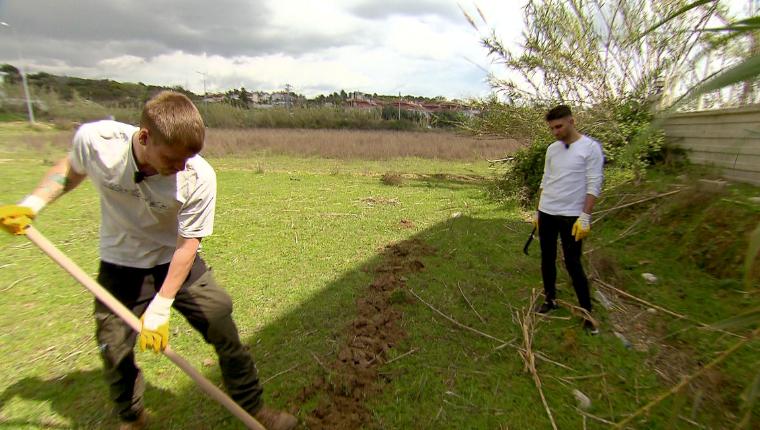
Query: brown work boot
point(273, 419)
point(139, 424)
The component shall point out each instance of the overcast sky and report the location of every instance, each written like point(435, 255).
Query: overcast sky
point(421, 47)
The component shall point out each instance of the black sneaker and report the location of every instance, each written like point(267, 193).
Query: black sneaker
point(547, 307)
point(590, 328)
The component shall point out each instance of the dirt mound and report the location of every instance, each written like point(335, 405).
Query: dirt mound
point(353, 374)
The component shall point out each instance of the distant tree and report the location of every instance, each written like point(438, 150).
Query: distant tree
point(245, 97)
point(12, 74)
point(588, 52)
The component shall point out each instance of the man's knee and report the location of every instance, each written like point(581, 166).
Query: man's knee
point(207, 298)
point(115, 338)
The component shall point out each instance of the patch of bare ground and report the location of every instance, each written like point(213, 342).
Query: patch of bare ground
point(373, 201)
point(352, 375)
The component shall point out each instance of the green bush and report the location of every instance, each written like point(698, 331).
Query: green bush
point(392, 113)
point(624, 129)
point(523, 176)
point(447, 119)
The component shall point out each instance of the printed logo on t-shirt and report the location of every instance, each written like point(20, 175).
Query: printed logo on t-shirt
point(136, 193)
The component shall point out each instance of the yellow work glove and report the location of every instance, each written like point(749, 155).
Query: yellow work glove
point(154, 333)
point(582, 226)
point(15, 218)
point(535, 221)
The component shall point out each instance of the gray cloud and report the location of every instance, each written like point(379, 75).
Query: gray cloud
point(236, 81)
point(74, 37)
point(381, 9)
point(98, 29)
point(76, 53)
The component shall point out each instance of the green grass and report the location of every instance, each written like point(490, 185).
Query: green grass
point(295, 243)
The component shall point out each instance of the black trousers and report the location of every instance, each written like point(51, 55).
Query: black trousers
point(549, 227)
point(205, 305)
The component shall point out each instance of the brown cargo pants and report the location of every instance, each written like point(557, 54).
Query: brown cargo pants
point(205, 305)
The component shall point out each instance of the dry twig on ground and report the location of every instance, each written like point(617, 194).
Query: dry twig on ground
point(635, 203)
point(687, 380)
point(458, 324)
point(667, 311)
point(14, 283)
point(411, 351)
point(526, 318)
point(470, 304)
point(578, 311)
point(502, 343)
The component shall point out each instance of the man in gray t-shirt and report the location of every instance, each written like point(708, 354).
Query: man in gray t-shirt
point(157, 200)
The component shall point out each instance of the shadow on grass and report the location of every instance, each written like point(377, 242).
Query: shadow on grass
point(298, 355)
point(80, 398)
point(328, 374)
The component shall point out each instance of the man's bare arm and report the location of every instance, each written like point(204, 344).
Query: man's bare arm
point(180, 265)
point(59, 179)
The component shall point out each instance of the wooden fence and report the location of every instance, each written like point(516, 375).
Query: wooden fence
point(726, 138)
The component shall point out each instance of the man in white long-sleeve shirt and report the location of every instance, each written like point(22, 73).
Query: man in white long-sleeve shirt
point(572, 181)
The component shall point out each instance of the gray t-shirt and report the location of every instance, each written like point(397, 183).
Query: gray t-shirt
point(140, 222)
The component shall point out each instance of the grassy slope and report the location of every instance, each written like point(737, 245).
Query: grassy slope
point(294, 242)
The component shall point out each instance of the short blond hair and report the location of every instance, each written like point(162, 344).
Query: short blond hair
point(173, 119)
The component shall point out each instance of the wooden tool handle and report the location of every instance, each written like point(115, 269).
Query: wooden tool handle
point(125, 314)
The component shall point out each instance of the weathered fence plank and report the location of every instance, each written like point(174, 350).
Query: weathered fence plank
point(726, 138)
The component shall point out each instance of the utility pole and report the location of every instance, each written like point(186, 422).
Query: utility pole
point(288, 89)
point(205, 93)
point(399, 106)
point(29, 109)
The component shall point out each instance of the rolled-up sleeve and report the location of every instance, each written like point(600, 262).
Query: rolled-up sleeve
point(196, 217)
point(594, 170)
point(80, 149)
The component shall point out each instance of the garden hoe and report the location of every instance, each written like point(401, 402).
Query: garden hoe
point(122, 312)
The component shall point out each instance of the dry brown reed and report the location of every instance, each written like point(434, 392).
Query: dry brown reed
point(334, 144)
point(356, 144)
point(526, 319)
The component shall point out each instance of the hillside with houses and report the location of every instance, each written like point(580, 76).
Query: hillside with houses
point(124, 94)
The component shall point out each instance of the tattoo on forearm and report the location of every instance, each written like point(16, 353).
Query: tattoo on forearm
point(59, 179)
point(54, 184)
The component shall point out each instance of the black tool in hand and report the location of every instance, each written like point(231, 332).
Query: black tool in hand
point(530, 239)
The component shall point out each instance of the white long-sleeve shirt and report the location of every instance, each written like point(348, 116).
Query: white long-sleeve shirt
point(571, 172)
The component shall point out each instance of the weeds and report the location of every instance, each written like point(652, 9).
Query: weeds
point(391, 178)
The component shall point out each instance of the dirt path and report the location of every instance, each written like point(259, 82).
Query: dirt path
point(352, 375)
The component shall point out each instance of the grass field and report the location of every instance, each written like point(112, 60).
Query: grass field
point(314, 250)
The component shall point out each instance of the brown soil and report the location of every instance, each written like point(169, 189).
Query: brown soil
point(352, 376)
point(405, 223)
point(372, 201)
